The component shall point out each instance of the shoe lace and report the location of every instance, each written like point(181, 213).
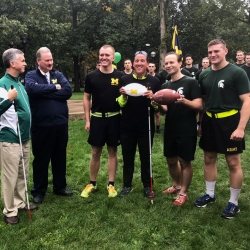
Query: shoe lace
point(205, 197)
point(230, 207)
point(180, 197)
point(88, 188)
point(111, 189)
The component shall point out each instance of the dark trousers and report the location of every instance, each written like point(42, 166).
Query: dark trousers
point(49, 145)
point(129, 144)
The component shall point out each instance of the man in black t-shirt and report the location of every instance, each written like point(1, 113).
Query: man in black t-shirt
point(246, 66)
point(180, 132)
point(136, 113)
point(205, 64)
point(127, 67)
point(102, 86)
point(240, 56)
point(189, 65)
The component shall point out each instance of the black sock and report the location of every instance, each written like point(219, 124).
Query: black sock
point(111, 183)
point(93, 183)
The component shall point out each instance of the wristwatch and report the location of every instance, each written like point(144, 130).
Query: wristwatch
point(198, 123)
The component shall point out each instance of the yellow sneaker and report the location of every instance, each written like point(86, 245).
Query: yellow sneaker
point(87, 190)
point(111, 190)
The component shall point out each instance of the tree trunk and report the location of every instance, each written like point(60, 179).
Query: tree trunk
point(75, 58)
point(76, 75)
point(163, 47)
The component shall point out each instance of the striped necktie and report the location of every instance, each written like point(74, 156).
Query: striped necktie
point(47, 77)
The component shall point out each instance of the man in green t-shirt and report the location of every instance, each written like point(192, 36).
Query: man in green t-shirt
point(227, 109)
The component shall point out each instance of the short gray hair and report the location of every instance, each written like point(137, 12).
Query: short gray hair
point(10, 55)
point(40, 51)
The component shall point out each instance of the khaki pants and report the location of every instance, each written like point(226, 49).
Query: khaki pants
point(13, 185)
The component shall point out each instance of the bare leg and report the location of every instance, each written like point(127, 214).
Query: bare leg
point(236, 175)
point(174, 170)
point(95, 162)
point(112, 162)
point(210, 169)
point(186, 175)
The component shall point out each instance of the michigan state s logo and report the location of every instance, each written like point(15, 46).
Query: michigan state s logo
point(114, 81)
point(221, 84)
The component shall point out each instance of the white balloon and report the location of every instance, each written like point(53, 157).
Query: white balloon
point(135, 89)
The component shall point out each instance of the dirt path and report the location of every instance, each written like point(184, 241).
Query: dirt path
point(76, 110)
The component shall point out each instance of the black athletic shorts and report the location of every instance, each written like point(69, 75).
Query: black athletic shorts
point(216, 133)
point(105, 130)
point(184, 147)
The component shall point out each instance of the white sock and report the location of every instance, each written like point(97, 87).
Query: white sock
point(210, 186)
point(234, 195)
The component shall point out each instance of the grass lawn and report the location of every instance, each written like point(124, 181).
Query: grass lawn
point(132, 222)
point(77, 95)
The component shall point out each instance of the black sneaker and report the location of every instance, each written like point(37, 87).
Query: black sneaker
point(148, 194)
point(125, 191)
point(230, 211)
point(204, 200)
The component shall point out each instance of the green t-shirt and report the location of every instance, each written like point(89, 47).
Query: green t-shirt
point(223, 88)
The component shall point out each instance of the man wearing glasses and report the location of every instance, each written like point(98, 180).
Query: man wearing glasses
point(134, 123)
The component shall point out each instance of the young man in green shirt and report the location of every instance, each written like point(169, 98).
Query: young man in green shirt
point(227, 109)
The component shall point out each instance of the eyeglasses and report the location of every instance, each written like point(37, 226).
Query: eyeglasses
point(141, 52)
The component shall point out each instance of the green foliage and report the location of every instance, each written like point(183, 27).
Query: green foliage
point(76, 29)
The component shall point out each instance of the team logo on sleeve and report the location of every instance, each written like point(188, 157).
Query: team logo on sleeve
point(221, 84)
point(114, 81)
point(54, 81)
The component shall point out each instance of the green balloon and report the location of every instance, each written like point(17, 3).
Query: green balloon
point(117, 57)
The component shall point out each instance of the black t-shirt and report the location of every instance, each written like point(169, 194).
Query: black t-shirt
point(180, 119)
point(163, 74)
point(134, 119)
point(124, 73)
point(104, 89)
point(192, 71)
point(197, 74)
point(158, 76)
point(247, 69)
point(239, 64)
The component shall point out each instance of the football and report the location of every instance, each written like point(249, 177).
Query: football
point(135, 89)
point(165, 96)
